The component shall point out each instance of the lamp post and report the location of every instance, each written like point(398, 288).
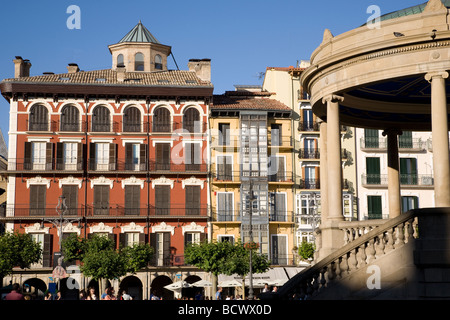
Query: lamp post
point(251, 199)
point(61, 221)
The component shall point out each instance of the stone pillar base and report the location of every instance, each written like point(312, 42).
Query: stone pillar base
point(332, 238)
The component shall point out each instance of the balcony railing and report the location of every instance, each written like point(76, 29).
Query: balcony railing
point(412, 180)
point(237, 176)
point(373, 143)
point(280, 141)
point(309, 154)
point(237, 216)
point(309, 183)
point(172, 210)
point(24, 210)
point(308, 126)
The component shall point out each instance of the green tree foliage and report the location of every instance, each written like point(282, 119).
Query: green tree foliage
point(306, 250)
point(17, 250)
point(225, 258)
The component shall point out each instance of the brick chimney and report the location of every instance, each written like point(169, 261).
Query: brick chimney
point(202, 68)
point(21, 67)
point(73, 68)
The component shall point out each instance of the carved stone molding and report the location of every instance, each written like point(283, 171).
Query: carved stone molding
point(192, 227)
point(36, 228)
point(70, 180)
point(192, 181)
point(38, 180)
point(162, 181)
point(163, 227)
point(102, 181)
point(101, 227)
point(132, 181)
point(132, 227)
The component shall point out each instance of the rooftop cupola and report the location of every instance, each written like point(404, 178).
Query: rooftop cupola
point(139, 50)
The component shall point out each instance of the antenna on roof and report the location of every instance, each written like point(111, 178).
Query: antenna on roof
point(174, 60)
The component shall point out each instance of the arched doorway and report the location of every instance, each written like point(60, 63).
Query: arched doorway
point(191, 292)
point(35, 288)
point(157, 287)
point(133, 287)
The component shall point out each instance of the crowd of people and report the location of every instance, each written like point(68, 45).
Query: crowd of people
point(110, 294)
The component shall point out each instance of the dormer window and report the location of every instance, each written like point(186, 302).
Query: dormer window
point(139, 62)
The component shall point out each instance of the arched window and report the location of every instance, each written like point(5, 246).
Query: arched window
point(70, 118)
point(161, 120)
point(139, 62)
point(120, 60)
point(38, 119)
point(191, 120)
point(158, 62)
point(101, 119)
point(132, 120)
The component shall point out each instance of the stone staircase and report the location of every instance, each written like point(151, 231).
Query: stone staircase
point(407, 257)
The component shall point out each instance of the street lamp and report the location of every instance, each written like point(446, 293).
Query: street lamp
point(61, 221)
point(251, 199)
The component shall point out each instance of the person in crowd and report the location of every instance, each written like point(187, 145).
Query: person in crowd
point(219, 293)
point(15, 293)
point(91, 295)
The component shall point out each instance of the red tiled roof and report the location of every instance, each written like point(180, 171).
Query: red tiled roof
point(247, 103)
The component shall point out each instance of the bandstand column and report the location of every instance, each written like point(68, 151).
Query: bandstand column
point(324, 172)
point(331, 235)
point(334, 162)
point(439, 130)
point(394, 196)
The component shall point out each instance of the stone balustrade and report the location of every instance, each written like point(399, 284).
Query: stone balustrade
point(365, 241)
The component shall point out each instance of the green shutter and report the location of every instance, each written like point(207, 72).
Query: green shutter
point(373, 170)
point(371, 138)
point(374, 207)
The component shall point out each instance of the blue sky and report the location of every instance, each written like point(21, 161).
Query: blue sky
point(241, 38)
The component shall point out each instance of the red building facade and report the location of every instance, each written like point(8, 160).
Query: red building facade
point(126, 148)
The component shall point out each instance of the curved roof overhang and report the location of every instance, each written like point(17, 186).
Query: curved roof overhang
point(380, 73)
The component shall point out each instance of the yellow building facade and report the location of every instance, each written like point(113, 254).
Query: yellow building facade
point(252, 153)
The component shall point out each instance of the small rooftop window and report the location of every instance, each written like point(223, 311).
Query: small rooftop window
point(100, 79)
point(64, 78)
point(163, 81)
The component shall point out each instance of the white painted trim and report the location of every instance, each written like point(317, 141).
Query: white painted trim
point(132, 181)
point(102, 140)
point(162, 181)
point(102, 181)
point(192, 227)
point(70, 180)
point(39, 139)
point(101, 227)
point(193, 181)
point(163, 227)
point(36, 228)
point(132, 227)
point(71, 139)
point(132, 140)
point(38, 180)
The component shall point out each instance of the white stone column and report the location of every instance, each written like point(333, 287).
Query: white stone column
point(331, 235)
point(394, 196)
point(334, 161)
point(439, 130)
point(323, 170)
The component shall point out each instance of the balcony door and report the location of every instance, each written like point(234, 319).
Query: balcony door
point(371, 138)
point(408, 171)
point(373, 170)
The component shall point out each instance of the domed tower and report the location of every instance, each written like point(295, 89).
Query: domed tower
point(139, 50)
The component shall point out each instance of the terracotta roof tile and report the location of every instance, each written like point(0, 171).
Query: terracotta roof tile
point(249, 103)
point(171, 78)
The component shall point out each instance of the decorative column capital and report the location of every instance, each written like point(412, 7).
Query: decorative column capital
point(435, 74)
point(332, 98)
